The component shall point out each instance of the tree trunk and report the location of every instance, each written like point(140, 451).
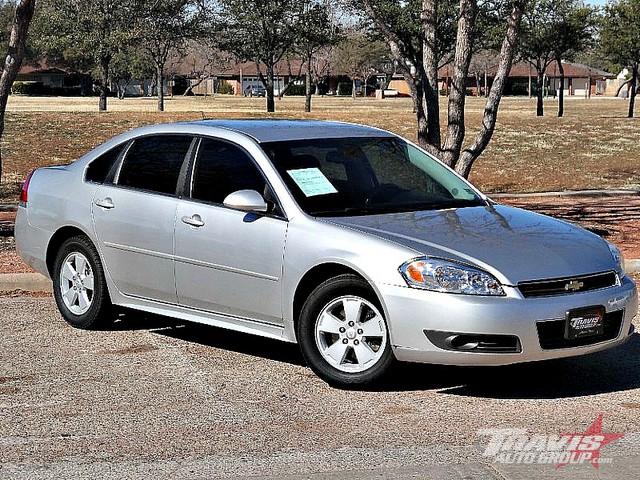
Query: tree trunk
point(634, 89)
point(104, 82)
point(353, 88)
point(457, 95)
point(307, 87)
point(561, 91)
point(540, 94)
point(15, 54)
point(429, 133)
point(271, 104)
point(160, 86)
point(485, 92)
point(490, 115)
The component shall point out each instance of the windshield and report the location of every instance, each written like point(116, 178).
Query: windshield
point(360, 176)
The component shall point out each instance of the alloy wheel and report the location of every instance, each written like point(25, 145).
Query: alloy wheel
point(76, 283)
point(351, 334)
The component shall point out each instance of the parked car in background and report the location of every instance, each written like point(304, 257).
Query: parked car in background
point(349, 240)
point(255, 91)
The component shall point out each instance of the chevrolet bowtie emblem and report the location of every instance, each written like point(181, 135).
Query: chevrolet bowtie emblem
point(574, 286)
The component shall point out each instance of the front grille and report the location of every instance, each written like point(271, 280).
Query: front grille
point(551, 333)
point(564, 286)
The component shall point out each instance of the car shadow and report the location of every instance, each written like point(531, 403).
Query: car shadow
point(210, 336)
point(603, 372)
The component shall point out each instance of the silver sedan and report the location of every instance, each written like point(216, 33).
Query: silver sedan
point(349, 240)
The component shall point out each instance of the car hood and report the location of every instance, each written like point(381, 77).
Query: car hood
point(514, 244)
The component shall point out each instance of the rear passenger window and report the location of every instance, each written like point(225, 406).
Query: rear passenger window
point(100, 167)
point(223, 168)
point(153, 163)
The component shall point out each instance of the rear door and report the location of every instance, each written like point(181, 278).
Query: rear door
point(228, 261)
point(134, 216)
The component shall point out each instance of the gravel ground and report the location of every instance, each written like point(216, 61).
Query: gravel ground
point(153, 397)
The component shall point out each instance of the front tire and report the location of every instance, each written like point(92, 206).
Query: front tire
point(343, 334)
point(79, 285)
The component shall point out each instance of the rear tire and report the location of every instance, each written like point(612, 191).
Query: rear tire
point(79, 285)
point(343, 334)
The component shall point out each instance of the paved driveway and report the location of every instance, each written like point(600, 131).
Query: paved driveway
point(158, 398)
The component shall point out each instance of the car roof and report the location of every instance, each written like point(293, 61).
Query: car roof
point(273, 130)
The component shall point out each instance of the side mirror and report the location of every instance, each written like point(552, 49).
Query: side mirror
point(247, 201)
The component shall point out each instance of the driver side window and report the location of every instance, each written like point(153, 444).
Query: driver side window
point(222, 168)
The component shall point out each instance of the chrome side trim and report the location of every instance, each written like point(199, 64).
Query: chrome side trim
point(224, 268)
point(143, 251)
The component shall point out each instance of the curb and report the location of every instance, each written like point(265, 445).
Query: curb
point(28, 282)
point(569, 193)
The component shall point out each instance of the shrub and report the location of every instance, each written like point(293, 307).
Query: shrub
point(295, 90)
point(224, 88)
point(27, 88)
point(344, 88)
point(38, 88)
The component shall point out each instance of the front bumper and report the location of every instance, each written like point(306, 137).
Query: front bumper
point(411, 312)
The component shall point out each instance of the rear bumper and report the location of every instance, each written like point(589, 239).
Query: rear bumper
point(411, 312)
point(31, 242)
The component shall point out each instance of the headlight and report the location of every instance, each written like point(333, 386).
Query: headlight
point(617, 257)
point(445, 276)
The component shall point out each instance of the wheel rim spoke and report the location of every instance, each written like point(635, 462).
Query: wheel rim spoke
point(71, 296)
point(83, 300)
point(363, 352)
point(88, 281)
point(352, 310)
point(329, 323)
point(337, 351)
point(81, 264)
point(68, 272)
point(371, 328)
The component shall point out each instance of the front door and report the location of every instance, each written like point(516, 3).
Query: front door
point(228, 261)
point(135, 217)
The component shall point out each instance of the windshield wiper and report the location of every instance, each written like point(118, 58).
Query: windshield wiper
point(343, 212)
point(410, 207)
point(453, 203)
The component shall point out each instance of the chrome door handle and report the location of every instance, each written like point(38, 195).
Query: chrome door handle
point(194, 220)
point(106, 203)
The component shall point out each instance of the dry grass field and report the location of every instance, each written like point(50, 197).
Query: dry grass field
point(594, 146)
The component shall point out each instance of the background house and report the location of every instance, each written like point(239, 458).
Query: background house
point(580, 80)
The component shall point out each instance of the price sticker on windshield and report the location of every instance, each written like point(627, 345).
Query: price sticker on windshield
point(312, 181)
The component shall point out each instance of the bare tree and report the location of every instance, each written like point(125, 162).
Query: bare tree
point(291, 68)
point(411, 30)
point(202, 61)
point(15, 53)
point(620, 41)
point(166, 26)
point(360, 57)
point(318, 31)
point(262, 32)
point(481, 64)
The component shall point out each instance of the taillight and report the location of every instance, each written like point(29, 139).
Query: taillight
point(24, 193)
